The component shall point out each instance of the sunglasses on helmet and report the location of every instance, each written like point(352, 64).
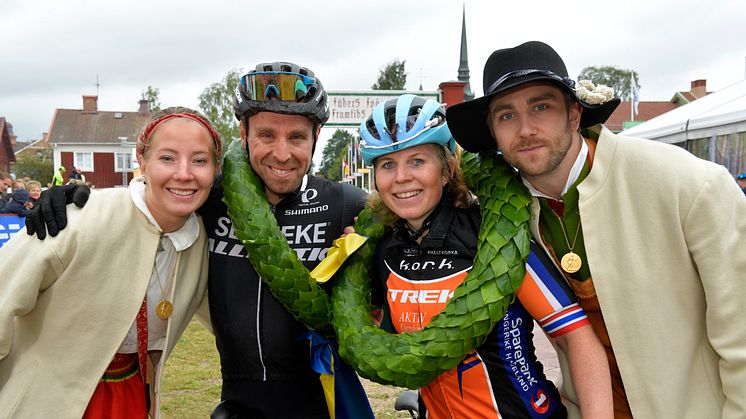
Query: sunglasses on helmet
point(268, 85)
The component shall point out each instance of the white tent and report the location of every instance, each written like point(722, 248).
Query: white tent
point(719, 113)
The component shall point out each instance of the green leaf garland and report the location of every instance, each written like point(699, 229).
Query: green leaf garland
point(407, 360)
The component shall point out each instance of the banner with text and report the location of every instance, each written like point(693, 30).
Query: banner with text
point(348, 109)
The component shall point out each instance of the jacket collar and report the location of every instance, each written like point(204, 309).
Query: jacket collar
point(436, 234)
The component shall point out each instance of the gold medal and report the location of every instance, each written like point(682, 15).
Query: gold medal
point(571, 262)
point(165, 308)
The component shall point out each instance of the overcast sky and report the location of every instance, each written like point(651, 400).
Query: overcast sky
point(52, 51)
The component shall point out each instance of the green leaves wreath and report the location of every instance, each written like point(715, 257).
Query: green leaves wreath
point(407, 360)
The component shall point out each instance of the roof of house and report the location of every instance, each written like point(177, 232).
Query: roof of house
point(682, 98)
point(39, 144)
point(698, 90)
point(646, 111)
point(75, 126)
point(20, 145)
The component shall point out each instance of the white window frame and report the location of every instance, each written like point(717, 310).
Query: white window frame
point(124, 157)
point(83, 166)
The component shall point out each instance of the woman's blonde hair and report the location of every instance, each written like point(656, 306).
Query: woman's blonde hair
point(457, 191)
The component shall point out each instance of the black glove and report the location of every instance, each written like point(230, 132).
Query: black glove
point(49, 212)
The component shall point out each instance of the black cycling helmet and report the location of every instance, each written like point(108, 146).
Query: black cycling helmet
point(281, 87)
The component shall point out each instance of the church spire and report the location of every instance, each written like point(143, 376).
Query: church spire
point(463, 66)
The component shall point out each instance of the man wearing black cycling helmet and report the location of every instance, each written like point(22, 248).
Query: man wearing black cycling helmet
point(281, 108)
point(265, 363)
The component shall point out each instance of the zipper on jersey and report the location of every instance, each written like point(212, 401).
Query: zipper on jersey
point(259, 329)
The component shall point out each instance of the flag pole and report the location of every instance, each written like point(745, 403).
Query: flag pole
point(631, 96)
point(354, 159)
point(349, 162)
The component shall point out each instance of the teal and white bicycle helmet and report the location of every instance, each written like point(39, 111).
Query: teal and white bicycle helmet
point(404, 122)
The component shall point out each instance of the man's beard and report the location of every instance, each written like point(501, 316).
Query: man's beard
point(554, 160)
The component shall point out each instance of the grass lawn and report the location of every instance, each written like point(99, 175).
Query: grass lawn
point(191, 380)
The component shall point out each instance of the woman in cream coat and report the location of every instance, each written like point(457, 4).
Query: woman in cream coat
point(70, 305)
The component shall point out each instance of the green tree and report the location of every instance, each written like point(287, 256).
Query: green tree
point(617, 78)
point(334, 152)
point(35, 164)
point(391, 76)
point(151, 95)
point(216, 102)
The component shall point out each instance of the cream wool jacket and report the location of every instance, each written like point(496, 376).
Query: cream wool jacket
point(66, 304)
point(665, 236)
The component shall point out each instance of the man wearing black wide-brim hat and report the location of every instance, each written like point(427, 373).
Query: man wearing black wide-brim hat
point(649, 237)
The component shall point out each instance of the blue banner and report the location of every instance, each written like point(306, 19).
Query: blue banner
point(9, 225)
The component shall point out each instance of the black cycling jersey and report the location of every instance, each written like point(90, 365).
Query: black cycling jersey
point(259, 342)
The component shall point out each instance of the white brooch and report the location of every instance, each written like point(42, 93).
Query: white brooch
point(592, 94)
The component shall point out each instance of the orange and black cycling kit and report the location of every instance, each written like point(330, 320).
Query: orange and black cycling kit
point(502, 378)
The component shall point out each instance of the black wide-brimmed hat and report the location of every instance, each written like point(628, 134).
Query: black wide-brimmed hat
point(508, 68)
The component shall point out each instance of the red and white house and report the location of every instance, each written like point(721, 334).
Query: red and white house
point(98, 143)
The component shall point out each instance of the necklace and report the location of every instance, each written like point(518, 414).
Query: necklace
point(164, 309)
point(571, 261)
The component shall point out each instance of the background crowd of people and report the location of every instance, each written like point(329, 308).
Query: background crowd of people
point(18, 196)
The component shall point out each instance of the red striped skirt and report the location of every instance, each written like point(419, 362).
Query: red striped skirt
point(120, 394)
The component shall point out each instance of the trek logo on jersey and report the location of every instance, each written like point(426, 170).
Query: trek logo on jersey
point(414, 303)
point(420, 296)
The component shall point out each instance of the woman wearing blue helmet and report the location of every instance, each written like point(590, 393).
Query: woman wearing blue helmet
point(427, 251)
